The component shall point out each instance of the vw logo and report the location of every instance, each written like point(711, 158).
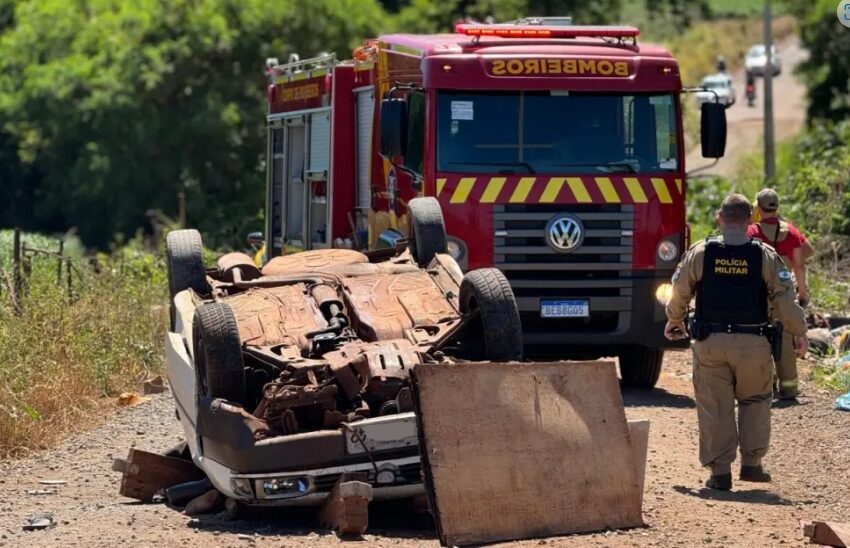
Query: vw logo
point(564, 233)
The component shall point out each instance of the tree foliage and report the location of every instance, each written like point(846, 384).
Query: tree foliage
point(827, 70)
point(109, 108)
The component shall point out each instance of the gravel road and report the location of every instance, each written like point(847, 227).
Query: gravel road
point(746, 124)
point(810, 460)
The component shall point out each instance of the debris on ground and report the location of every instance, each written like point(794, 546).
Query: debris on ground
point(828, 533)
point(346, 510)
point(52, 482)
point(148, 474)
point(153, 386)
point(37, 522)
point(181, 493)
point(842, 403)
point(41, 491)
point(130, 399)
point(209, 502)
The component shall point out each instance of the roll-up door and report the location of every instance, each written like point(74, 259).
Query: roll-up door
point(320, 141)
point(365, 114)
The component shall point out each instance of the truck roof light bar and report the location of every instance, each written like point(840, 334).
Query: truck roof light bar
point(297, 65)
point(546, 31)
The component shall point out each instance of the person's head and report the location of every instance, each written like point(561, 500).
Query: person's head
point(767, 201)
point(734, 212)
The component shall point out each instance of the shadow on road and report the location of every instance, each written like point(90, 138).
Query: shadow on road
point(387, 519)
point(657, 397)
point(751, 496)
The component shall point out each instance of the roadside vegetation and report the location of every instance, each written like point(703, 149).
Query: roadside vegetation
point(65, 356)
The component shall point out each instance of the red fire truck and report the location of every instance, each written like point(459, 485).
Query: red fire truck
point(556, 153)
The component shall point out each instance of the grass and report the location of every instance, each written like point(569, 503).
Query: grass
point(63, 357)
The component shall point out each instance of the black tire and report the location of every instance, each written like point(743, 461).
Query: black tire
point(499, 329)
point(640, 366)
point(427, 230)
point(219, 368)
point(185, 260)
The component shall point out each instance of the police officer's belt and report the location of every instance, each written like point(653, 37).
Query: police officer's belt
point(763, 330)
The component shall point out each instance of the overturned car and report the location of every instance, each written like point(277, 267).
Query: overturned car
point(289, 376)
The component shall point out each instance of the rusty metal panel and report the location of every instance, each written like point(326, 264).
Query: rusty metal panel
point(276, 315)
point(384, 307)
point(527, 450)
point(311, 261)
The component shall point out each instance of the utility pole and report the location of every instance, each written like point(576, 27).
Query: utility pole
point(769, 145)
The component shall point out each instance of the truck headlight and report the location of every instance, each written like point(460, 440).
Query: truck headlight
point(663, 294)
point(456, 248)
point(667, 251)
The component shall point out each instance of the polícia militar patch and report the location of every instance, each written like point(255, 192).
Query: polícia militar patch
point(784, 275)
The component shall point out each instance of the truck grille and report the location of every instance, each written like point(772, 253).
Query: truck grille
point(598, 270)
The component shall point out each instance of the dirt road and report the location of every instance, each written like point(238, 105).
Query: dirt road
point(810, 460)
point(746, 124)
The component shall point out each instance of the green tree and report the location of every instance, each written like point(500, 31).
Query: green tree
point(109, 108)
point(827, 71)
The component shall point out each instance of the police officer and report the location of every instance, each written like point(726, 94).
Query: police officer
point(734, 279)
point(793, 248)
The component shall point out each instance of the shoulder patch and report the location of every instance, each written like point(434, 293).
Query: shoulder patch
point(784, 275)
point(677, 273)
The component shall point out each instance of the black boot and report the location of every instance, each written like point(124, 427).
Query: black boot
point(721, 482)
point(754, 473)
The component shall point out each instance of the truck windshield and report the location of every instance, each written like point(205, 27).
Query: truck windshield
point(556, 132)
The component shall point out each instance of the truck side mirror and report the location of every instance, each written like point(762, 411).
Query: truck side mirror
point(713, 130)
point(393, 134)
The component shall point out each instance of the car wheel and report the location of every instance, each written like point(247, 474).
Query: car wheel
point(499, 330)
point(185, 261)
point(427, 230)
point(640, 366)
point(219, 368)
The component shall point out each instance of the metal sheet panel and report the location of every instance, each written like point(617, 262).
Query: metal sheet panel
point(320, 141)
point(364, 118)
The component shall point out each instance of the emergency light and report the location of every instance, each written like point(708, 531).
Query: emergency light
point(541, 31)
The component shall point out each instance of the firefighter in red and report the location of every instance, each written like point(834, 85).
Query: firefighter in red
point(735, 279)
point(794, 249)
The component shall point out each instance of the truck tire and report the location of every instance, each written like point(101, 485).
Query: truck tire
point(427, 230)
point(499, 329)
point(219, 368)
point(640, 366)
point(185, 262)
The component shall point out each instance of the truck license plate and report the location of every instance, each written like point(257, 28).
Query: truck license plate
point(565, 309)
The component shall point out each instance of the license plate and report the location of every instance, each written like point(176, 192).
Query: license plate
point(565, 309)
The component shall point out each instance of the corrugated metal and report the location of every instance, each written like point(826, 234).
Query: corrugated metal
point(364, 114)
point(320, 141)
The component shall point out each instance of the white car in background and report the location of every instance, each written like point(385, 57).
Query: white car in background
point(756, 60)
point(718, 87)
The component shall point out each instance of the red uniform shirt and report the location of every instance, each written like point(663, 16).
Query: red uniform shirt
point(785, 247)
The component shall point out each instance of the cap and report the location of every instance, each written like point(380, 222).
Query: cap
point(768, 200)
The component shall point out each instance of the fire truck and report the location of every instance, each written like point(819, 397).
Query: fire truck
point(555, 152)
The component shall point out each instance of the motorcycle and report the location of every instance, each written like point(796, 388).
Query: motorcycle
point(751, 89)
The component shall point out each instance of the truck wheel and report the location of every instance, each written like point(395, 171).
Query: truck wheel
point(219, 369)
point(427, 230)
point(499, 329)
point(640, 366)
point(185, 261)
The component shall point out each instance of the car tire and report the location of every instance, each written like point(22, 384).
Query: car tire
point(184, 257)
point(219, 367)
point(640, 367)
point(427, 230)
point(499, 330)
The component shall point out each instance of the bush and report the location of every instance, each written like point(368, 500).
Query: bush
point(64, 354)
